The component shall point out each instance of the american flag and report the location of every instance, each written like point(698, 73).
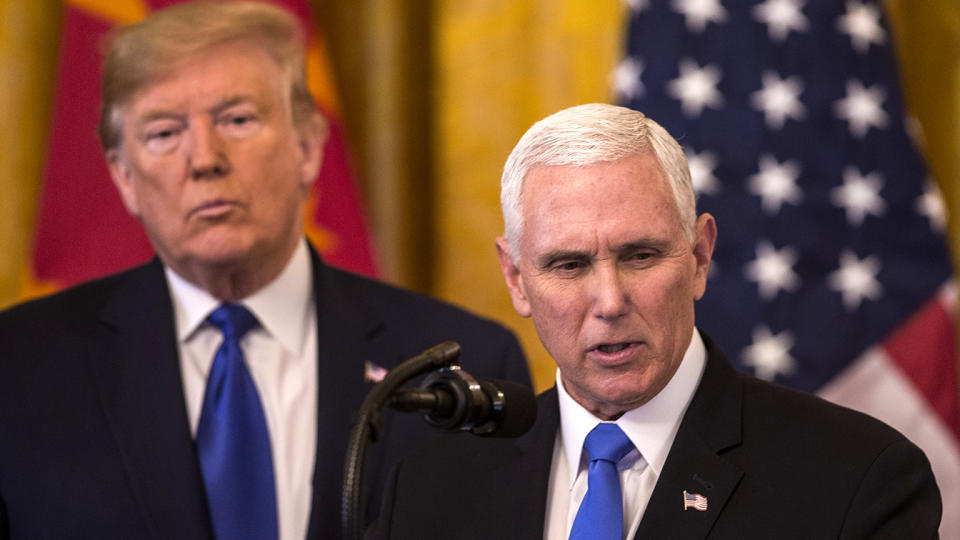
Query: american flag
point(831, 272)
point(695, 501)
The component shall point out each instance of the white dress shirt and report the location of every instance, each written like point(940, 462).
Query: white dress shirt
point(650, 427)
point(281, 355)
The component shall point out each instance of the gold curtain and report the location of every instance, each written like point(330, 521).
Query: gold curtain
point(28, 48)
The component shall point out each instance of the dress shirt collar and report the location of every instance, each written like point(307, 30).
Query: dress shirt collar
point(280, 306)
point(650, 427)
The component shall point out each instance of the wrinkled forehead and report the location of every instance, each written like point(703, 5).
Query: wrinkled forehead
point(628, 197)
point(623, 181)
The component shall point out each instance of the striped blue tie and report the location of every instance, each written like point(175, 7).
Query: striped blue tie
point(601, 513)
point(233, 444)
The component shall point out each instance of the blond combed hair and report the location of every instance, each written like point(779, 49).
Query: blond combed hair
point(141, 53)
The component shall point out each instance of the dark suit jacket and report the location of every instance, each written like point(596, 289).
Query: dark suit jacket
point(773, 463)
point(94, 437)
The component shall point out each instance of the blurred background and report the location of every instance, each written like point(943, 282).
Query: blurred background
point(425, 99)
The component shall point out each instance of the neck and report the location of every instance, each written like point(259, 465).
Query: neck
point(235, 280)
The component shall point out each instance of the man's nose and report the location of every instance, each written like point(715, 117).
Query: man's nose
point(610, 300)
point(207, 158)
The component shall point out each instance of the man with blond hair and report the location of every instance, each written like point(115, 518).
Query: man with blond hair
point(209, 392)
point(648, 432)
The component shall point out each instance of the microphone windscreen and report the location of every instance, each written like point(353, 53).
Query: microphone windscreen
point(519, 409)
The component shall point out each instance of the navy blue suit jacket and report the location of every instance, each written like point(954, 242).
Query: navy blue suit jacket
point(772, 463)
point(94, 436)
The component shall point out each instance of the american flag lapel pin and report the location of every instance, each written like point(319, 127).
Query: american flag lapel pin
point(695, 501)
point(373, 373)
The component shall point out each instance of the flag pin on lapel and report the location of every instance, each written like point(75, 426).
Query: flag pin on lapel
point(695, 501)
point(373, 372)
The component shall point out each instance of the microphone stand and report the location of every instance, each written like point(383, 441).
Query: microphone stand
point(366, 429)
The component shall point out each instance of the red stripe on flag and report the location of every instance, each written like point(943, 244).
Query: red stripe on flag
point(924, 347)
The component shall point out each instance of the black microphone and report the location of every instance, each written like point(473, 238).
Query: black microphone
point(452, 400)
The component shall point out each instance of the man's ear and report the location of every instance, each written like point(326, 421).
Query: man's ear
point(311, 138)
point(123, 180)
point(511, 274)
point(706, 231)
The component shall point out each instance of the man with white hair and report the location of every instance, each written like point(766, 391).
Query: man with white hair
point(648, 432)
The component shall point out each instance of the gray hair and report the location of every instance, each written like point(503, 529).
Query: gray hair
point(586, 135)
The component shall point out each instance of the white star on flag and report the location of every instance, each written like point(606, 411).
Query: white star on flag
point(931, 206)
point(859, 195)
point(701, 172)
point(781, 16)
point(772, 270)
point(862, 23)
point(637, 6)
point(700, 12)
point(626, 78)
point(775, 184)
point(696, 87)
point(856, 279)
point(769, 354)
point(862, 108)
point(779, 99)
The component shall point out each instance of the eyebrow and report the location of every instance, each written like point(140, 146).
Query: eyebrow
point(157, 114)
point(640, 244)
point(656, 244)
point(231, 101)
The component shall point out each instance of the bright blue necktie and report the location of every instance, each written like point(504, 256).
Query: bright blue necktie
point(601, 513)
point(232, 439)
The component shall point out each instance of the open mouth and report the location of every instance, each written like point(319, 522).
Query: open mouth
point(616, 347)
point(610, 348)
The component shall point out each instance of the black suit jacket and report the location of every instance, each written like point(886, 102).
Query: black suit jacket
point(94, 436)
point(773, 463)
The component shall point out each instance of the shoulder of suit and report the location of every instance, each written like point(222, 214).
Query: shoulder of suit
point(75, 305)
point(780, 409)
point(391, 301)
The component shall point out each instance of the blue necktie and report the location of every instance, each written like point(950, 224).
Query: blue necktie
point(601, 513)
point(232, 439)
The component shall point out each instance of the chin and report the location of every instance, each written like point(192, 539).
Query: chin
point(223, 249)
point(625, 394)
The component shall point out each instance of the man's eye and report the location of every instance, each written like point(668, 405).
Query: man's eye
point(162, 141)
point(166, 133)
point(568, 266)
point(240, 125)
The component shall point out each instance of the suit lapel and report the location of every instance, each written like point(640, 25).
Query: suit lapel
point(346, 333)
point(710, 425)
point(135, 366)
point(533, 469)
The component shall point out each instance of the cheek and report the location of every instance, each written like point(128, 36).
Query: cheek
point(558, 310)
point(148, 190)
point(668, 301)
